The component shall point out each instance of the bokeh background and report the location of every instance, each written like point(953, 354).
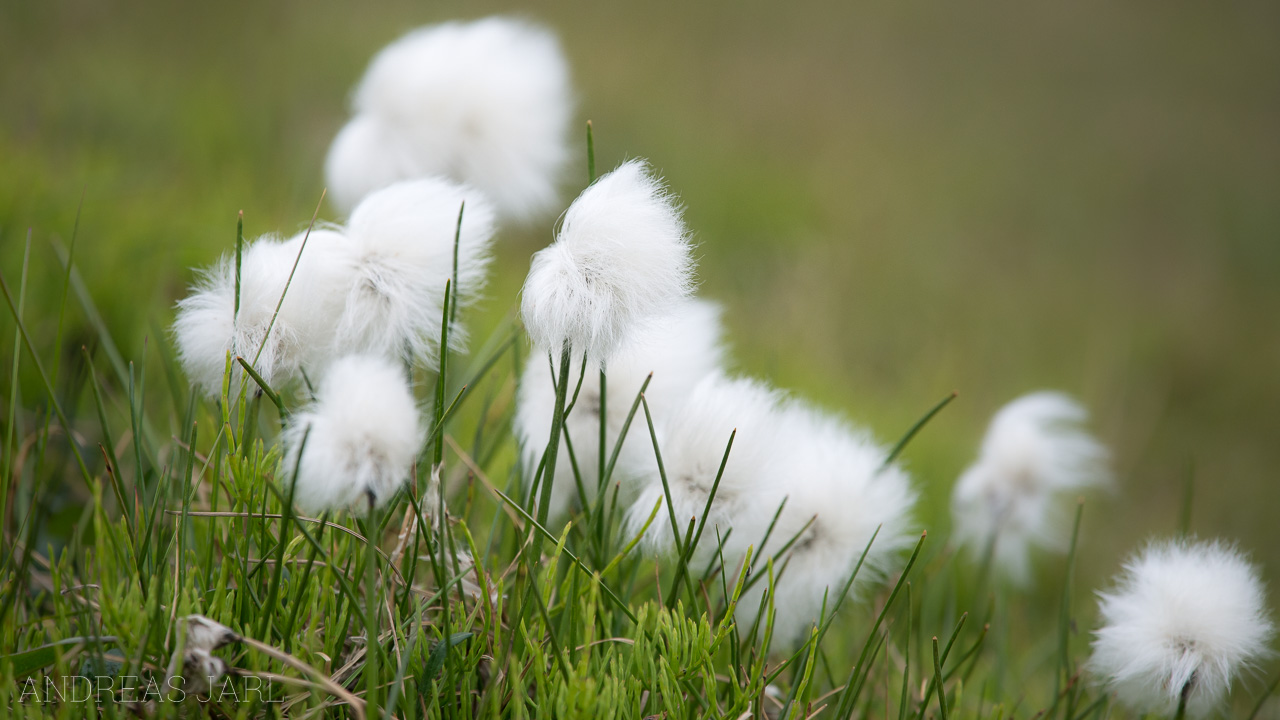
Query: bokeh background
point(892, 200)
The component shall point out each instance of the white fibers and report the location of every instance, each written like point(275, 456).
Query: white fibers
point(680, 350)
point(486, 102)
point(207, 326)
point(357, 443)
point(693, 447)
point(621, 260)
point(375, 286)
point(1183, 617)
point(1014, 497)
point(835, 481)
point(400, 251)
point(836, 487)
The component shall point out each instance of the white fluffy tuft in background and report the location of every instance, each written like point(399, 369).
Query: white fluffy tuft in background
point(486, 102)
point(1036, 455)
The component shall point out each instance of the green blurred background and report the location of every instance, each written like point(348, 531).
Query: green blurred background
point(892, 200)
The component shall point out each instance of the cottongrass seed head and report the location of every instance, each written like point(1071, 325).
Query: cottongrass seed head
point(693, 444)
point(206, 634)
point(839, 495)
point(680, 350)
point(207, 326)
point(197, 667)
point(836, 488)
point(200, 671)
point(400, 253)
point(1035, 454)
point(357, 443)
point(622, 258)
point(1183, 617)
point(486, 102)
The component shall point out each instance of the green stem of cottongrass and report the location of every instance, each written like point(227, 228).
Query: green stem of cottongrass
point(1182, 702)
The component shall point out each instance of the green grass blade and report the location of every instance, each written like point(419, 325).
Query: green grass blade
point(7, 480)
point(934, 682)
point(591, 154)
point(1064, 617)
point(1188, 495)
point(904, 698)
point(48, 386)
point(662, 474)
point(266, 389)
point(1262, 700)
point(911, 433)
point(613, 597)
point(94, 317)
point(235, 313)
point(937, 678)
point(849, 697)
point(437, 425)
point(62, 301)
point(435, 661)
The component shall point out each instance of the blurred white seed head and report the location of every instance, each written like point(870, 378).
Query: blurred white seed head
point(206, 634)
point(201, 670)
point(362, 436)
point(1182, 616)
point(399, 250)
point(486, 102)
point(679, 350)
point(693, 445)
point(207, 326)
point(622, 259)
point(366, 155)
point(835, 476)
point(1035, 455)
point(199, 667)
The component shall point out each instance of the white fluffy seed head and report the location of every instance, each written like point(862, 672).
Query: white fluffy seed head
point(400, 251)
point(693, 445)
point(622, 259)
point(486, 102)
point(201, 670)
point(366, 155)
point(834, 476)
point(1035, 455)
point(1182, 615)
point(783, 450)
point(375, 286)
point(206, 634)
point(679, 351)
point(207, 326)
point(357, 442)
